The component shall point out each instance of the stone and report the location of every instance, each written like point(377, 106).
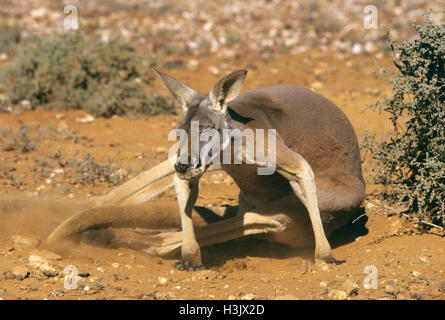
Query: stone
point(36, 261)
point(162, 281)
point(47, 255)
point(416, 274)
point(351, 288)
point(391, 289)
point(317, 85)
point(20, 272)
point(248, 296)
point(337, 295)
point(48, 270)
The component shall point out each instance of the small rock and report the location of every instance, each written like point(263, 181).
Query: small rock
point(317, 85)
point(162, 281)
point(87, 119)
point(161, 150)
point(193, 64)
point(248, 296)
point(416, 296)
point(416, 274)
point(337, 295)
point(391, 289)
point(214, 70)
point(356, 48)
point(370, 47)
point(36, 261)
point(115, 265)
point(48, 270)
point(323, 284)
point(46, 254)
point(231, 297)
point(25, 241)
point(351, 288)
point(369, 205)
point(423, 259)
point(26, 104)
point(20, 273)
point(97, 285)
point(84, 274)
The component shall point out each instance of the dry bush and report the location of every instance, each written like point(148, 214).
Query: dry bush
point(72, 72)
point(410, 162)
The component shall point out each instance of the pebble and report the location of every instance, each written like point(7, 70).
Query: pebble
point(337, 295)
point(193, 64)
point(162, 281)
point(323, 284)
point(87, 119)
point(356, 48)
point(351, 288)
point(416, 274)
point(48, 270)
point(84, 274)
point(248, 296)
point(36, 261)
point(20, 272)
point(214, 70)
point(391, 289)
point(46, 255)
point(115, 265)
point(317, 85)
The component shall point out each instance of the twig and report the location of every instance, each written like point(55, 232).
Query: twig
point(389, 209)
point(363, 215)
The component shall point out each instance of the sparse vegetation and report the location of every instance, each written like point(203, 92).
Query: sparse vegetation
point(410, 163)
point(19, 140)
point(72, 72)
point(10, 37)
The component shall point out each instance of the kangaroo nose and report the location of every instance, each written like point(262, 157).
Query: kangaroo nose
point(181, 167)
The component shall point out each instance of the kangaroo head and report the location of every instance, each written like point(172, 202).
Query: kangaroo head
point(207, 116)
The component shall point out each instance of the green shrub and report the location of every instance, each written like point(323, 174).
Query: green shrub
point(410, 163)
point(9, 38)
point(72, 72)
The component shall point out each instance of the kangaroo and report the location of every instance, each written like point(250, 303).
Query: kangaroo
point(316, 186)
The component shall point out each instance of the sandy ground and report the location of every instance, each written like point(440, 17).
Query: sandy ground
point(408, 265)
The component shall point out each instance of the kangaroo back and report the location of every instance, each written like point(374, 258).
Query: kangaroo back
point(309, 124)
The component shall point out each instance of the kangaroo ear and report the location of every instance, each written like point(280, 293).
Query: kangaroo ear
point(227, 89)
point(180, 91)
